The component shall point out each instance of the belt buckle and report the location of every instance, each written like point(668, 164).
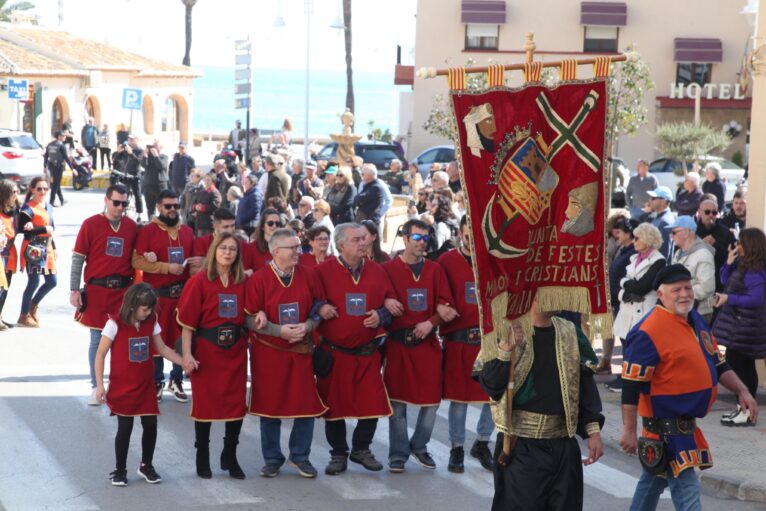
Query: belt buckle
point(474, 334)
point(113, 282)
point(409, 337)
point(226, 336)
point(175, 291)
point(685, 425)
point(367, 349)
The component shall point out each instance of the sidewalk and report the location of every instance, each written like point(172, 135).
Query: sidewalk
point(739, 453)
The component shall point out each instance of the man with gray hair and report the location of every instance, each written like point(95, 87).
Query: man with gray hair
point(697, 257)
point(250, 205)
point(371, 199)
point(440, 180)
point(395, 178)
point(357, 290)
point(305, 211)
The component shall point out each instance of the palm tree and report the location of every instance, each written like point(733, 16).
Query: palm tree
point(189, 4)
point(349, 72)
point(5, 12)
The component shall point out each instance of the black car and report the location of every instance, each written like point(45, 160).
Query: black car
point(379, 154)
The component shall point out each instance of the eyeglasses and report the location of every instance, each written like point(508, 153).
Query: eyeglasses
point(168, 207)
point(42, 189)
point(272, 223)
point(294, 248)
point(322, 238)
point(223, 248)
point(710, 211)
point(118, 203)
point(420, 237)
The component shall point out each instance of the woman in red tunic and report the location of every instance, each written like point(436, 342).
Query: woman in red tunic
point(36, 220)
point(9, 210)
point(319, 240)
point(258, 251)
point(131, 377)
point(210, 313)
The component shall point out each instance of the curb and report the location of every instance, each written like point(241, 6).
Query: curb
point(100, 179)
point(719, 484)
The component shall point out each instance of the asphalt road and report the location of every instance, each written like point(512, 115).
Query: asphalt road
point(56, 452)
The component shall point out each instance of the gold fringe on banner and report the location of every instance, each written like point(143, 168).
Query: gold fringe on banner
point(568, 70)
point(533, 71)
point(602, 67)
point(495, 75)
point(456, 78)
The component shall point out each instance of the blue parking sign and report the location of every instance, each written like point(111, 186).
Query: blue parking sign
point(131, 99)
point(18, 89)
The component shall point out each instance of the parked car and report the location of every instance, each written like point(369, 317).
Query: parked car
point(438, 154)
point(21, 157)
point(378, 153)
point(669, 173)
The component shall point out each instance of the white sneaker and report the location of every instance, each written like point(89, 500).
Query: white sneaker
point(728, 415)
point(92, 401)
point(741, 418)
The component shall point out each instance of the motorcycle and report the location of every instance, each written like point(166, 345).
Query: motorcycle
point(82, 170)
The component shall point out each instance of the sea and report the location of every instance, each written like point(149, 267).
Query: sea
point(280, 93)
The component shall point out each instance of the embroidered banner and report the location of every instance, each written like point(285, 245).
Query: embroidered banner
point(532, 166)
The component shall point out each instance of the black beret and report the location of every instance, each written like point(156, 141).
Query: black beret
point(671, 273)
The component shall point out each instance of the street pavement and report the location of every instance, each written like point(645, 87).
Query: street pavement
point(56, 452)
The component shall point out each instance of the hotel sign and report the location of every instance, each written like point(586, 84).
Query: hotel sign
point(724, 91)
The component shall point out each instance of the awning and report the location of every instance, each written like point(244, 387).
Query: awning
point(697, 50)
point(483, 11)
point(613, 14)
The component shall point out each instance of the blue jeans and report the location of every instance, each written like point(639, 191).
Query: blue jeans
point(684, 491)
point(177, 373)
point(301, 437)
point(457, 416)
point(400, 443)
point(33, 280)
point(95, 339)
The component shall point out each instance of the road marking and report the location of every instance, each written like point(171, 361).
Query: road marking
point(29, 467)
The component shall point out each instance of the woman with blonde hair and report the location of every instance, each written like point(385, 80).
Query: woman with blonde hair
point(322, 215)
point(341, 197)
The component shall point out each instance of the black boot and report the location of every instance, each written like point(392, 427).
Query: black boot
point(203, 460)
point(456, 457)
point(229, 458)
point(480, 451)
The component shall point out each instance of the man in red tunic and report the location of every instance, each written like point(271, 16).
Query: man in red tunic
point(462, 340)
point(162, 247)
point(285, 299)
point(104, 246)
point(223, 221)
point(356, 289)
point(413, 370)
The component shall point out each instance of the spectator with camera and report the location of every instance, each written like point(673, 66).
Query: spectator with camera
point(127, 159)
point(155, 175)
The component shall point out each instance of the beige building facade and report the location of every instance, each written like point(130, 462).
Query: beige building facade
point(690, 47)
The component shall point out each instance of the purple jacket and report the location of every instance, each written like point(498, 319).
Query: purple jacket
point(741, 323)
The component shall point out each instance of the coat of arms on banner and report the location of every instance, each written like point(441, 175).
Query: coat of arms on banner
point(532, 169)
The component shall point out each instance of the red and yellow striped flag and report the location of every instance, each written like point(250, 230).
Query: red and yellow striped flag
point(533, 71)
point(456, 78)
point(602, 67)
point(495, 75)
point(568, 70)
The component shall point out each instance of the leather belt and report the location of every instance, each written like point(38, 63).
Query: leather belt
point(471, 336)
point(407, 337)
point(171, 291)
point(224, 336)
point(112, 282)
point(303, 348)
point(670, 426)
point(365, 350)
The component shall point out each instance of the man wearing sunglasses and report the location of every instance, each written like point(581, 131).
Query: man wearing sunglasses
point(715, 234)
point(413, 371)
point(104, 246)
point(161, 250)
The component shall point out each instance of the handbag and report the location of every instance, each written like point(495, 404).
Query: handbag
point(37, 250)
point(653, 455)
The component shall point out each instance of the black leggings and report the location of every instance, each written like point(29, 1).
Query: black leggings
point(202, 430)
point(4, 292)
point(744, 367)
point(122, 439)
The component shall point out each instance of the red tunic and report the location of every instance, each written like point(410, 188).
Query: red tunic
point(255, 259)
point(175, 248)
point(283, 383)
point(9, 253)
point(310, 260)
point(354, 388)
point(131, 370)
point(414, 374)
point(107, 252)
point(202, 245)
point(219, 386)
point(459, 357)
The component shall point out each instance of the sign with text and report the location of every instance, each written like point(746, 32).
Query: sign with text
point(242, 75)
point(242, 103)
point(131, 99)
point(242, 45)
point(242, 88)
point(242, 60)
point(18, 89)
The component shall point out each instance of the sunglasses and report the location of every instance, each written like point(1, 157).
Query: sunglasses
point(118, 203)
point(710, 211)
point(42, 189)
point(168, 207)
point(272, 223)
point(420, 237)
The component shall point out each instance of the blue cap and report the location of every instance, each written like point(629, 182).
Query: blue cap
point(685, 222)
point(661, 192)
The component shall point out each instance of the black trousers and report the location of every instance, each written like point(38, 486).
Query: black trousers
point(744, 367)
point(543, 475)
point(135, 186)
point(151, 193)
point(105, 153)
point(4, 292)
point(360, 440)
point(56, 174)
point(93, 153)
point(122, 439)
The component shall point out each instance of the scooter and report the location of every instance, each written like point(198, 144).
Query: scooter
point(82, 170)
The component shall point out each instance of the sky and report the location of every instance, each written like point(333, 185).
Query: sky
point(155, 28)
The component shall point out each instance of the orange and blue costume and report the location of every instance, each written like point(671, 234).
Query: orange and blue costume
point(677, 362)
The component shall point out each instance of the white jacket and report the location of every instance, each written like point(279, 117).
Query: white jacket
point(700, 262)
point(631, 313)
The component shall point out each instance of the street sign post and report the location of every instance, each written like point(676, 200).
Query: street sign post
point(18, 89)
point(131, 99)
point(242, 86)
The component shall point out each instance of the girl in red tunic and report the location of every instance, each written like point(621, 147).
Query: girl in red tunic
point(210, 313)
point(9, 209)
point(131, 377)
point(258, 254)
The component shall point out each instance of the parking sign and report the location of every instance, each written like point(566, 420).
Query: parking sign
point(131, 99)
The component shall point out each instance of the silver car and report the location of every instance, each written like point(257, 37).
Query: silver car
point(21, 157)
point(670, 174)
